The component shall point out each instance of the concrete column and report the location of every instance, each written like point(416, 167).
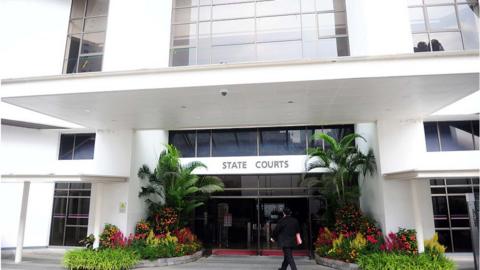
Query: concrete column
point(417, 216)
point(95, 216)
point(21, 224)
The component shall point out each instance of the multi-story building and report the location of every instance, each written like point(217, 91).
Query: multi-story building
point(240, 85)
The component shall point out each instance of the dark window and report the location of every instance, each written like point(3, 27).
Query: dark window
point(184, 141)
point(450, 212)
point(456, 136)
point(337, 132)
point(431, 137)
point(241, 142)
point(203, 143)
point(451, 136)
point(314, 143)
point(71, 203)
point(77, 146)
point(282, 141)
point(86, 36)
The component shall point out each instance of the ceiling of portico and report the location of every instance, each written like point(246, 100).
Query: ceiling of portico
point(348, 100)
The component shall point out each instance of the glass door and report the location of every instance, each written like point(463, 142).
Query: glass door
point(270, 214)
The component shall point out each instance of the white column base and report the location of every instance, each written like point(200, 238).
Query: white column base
point(21, 224)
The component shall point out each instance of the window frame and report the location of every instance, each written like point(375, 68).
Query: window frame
point(256, 58)
point(73, 149)
point(70, 34)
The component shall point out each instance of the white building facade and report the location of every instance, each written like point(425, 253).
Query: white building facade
point(240, 85)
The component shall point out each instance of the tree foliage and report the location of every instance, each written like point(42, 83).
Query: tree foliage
point(342, 161)
point(175, 185)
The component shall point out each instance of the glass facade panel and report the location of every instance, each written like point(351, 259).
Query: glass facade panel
point(253, 142)
point(184, 57)
point(93, 43)
point(448, 41)
point(249, 29)
point(234, 143)
point(421, 43)
point(417, 20)
point(469, 24)
point(97, 24)
point(233, 54)
point(445, 239)
point(243, 10)
point(90, 63)
point(448, 25)
point(279, 50)
point(277, 7)
point(97, 7)
point(278, 28)
point(442, 18)
point(184, 142)
point(184, 34)
point(456, 136)
point(282, 142)
point(331, 24)
point(231, 32)
point(330, 5)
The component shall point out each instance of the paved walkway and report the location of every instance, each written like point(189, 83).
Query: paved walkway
point(36, 259)
point(51, 258)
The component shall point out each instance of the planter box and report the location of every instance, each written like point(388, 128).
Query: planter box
point(170, 261)
point(335, 263)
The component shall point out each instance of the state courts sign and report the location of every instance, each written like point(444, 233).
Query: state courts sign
point(251, 165)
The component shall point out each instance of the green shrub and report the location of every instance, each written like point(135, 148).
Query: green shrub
point(104, 259)
point(394, 261)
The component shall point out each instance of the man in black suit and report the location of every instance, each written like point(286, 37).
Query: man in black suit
point(285, 234)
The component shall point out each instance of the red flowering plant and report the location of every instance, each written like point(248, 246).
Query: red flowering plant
point(142, 228)
point(185, 236)
point(404, 241)
point(112, 237)
point(324, 241)
point(165, 220)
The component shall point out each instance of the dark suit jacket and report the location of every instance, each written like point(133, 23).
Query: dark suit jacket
point(285, 232)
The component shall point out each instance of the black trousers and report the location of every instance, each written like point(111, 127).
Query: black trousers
point(288, 259)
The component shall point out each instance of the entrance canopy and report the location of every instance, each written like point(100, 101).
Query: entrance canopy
point(299, 92)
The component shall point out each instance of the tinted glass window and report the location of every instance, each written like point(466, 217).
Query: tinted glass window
point(431, 137)
point(184, 142)
point(86, 36)
point(203, 143)
point(475, 134)
point(445, 239)
point(66, 146)
point(234, 143)
point(456, 136)
point(84, 146)
point(462, 241)
point(282, 141)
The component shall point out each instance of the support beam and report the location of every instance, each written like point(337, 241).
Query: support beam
point(418, 216)
point(97, 216)
point(21, 224)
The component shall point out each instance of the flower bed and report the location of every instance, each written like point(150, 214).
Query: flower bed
point(356, 239)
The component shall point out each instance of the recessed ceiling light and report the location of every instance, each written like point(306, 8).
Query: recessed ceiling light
point(183, 107)
point(87, 110)
point(290, 102)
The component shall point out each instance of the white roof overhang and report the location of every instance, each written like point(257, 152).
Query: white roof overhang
point(297, 92)
point(48, 178)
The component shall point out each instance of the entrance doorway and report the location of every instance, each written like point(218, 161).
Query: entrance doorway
point(241, 219)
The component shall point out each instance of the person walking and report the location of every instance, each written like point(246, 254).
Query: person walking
point(287, 234)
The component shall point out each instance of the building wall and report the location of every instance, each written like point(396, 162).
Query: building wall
point(34, 34)
point(147, 146)
point(39, 149)
point(138, 35)
point(377, 27)
point(39, 214)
